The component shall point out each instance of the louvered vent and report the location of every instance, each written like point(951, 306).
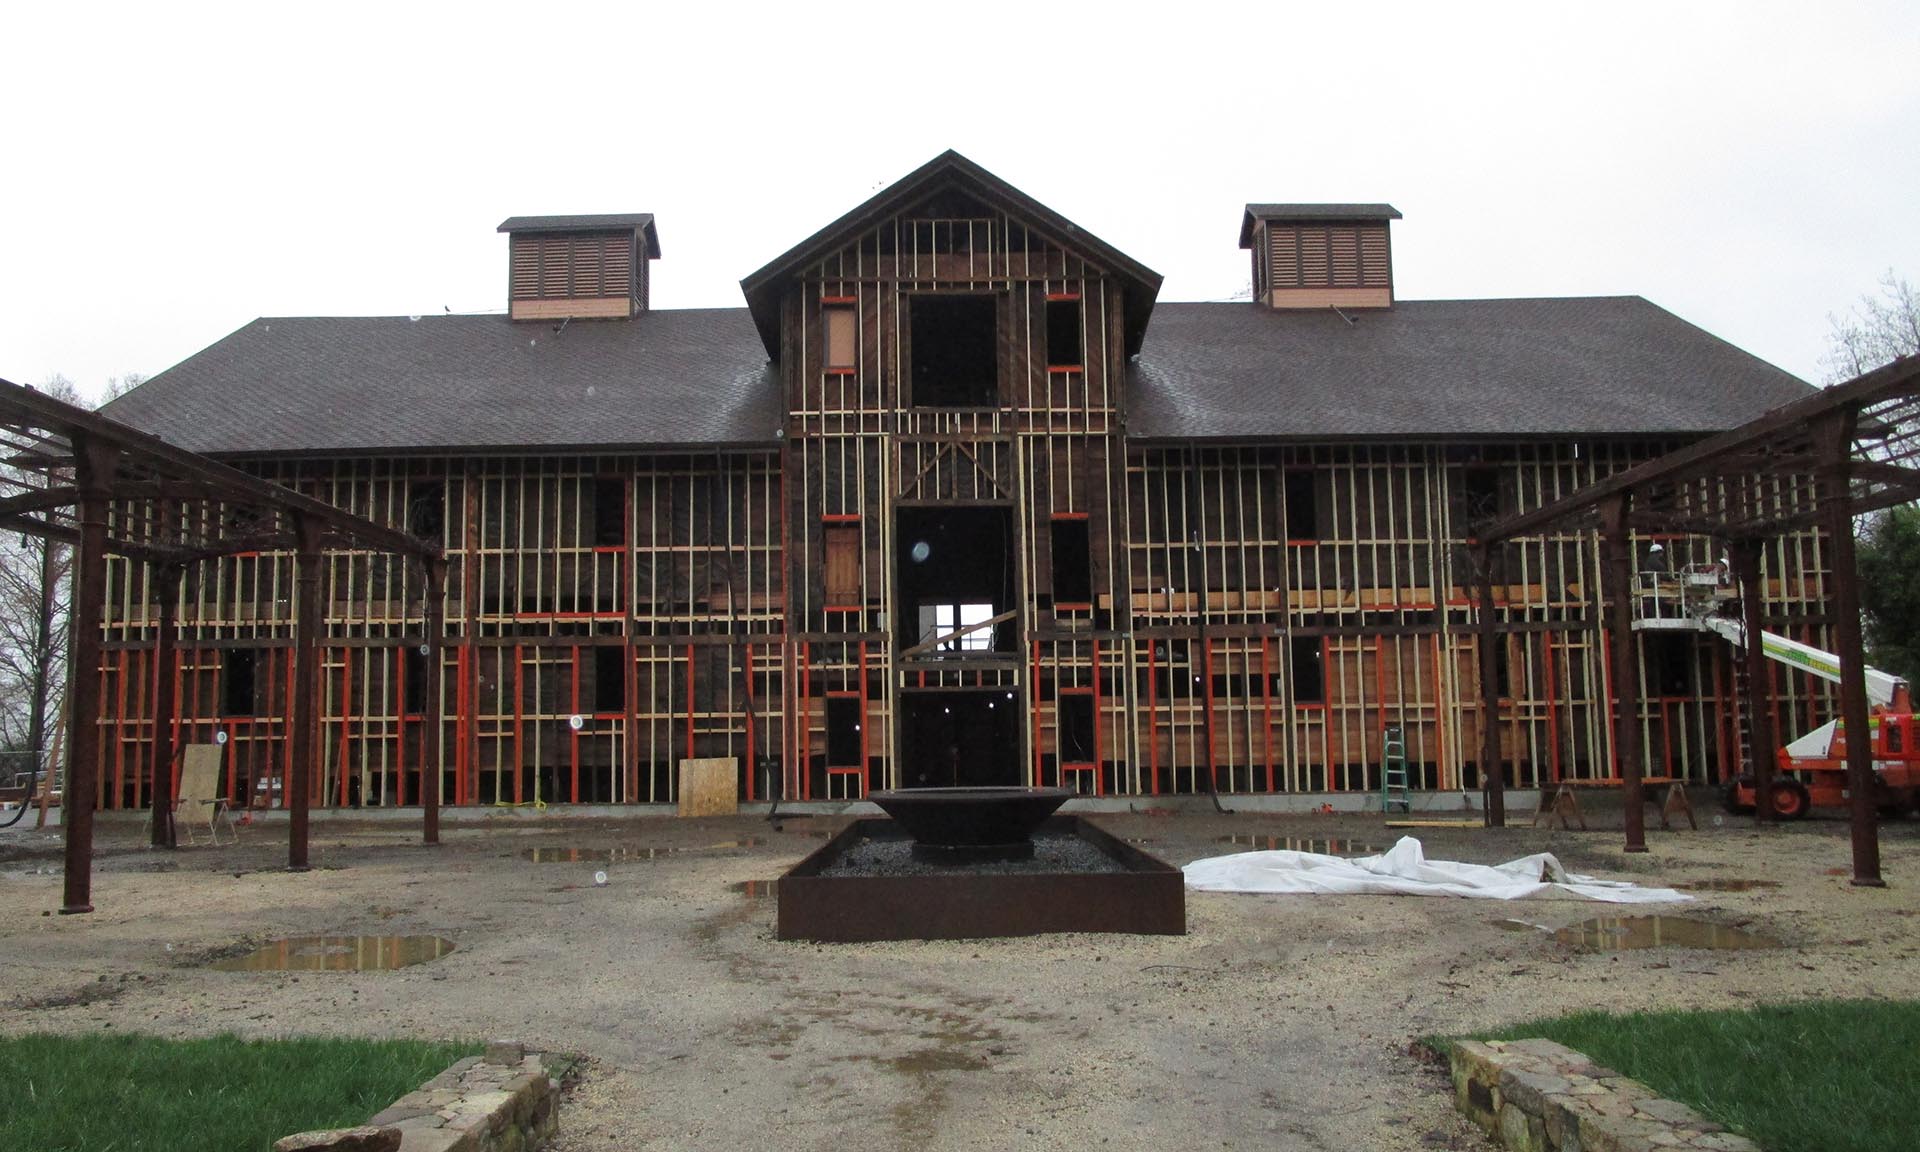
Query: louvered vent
point(1353, 256)
point(1321, 255)
point(578, 267)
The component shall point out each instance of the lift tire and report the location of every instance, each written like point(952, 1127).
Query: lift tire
point(1790, 800)
point(1730, 796)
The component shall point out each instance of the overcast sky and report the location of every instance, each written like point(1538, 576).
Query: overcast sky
point(173, 171)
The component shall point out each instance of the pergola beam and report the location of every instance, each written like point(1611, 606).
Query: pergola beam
point(1805, 461)
point(139, 497)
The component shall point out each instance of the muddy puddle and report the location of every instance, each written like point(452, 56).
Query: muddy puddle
point(1625, 933)
point(754, 889)
point(1319, 845)
point(339, 954)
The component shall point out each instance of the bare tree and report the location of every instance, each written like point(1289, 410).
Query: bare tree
point(34, 595)
point(118, 386)
point(1880, 328)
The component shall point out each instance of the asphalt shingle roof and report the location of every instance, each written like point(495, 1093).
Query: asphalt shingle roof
point(332, 384)
point(679, 379)
point(1581, 366)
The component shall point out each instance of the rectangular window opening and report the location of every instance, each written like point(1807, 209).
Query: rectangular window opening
point(609, 678)
point(1072, 562)
point(609, 512)
point(427, 509)
point(1309, 677)
point(1063, 334)
point(955, 349)
point(418, 681)
point(1669, 663)
point(1303, 507)
point(842, 337)
point(1076, 728)
point(941, 619)
point(237, 666)
point(843, 732)
point(1480, 486)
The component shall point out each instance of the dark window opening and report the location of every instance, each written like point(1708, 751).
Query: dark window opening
point(1669, 663)
point(954, 570)
point(609, 512)
point(1063, 334)
point(1502, 668)
point(1303, 508)
point(414, 663)
point(237, 682)
point(609, 679)
point(842, 337)
point(1481, 488)
point(1076, 728)
point(1072, 563)
point(426, 510)
point(843, 732)
point(1309, 678)
point(955, 351)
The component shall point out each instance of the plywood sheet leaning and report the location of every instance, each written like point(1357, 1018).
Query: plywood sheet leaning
point(707, 786)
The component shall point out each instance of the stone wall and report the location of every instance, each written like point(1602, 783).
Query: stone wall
point(503, 1101)
point(1539, 1096)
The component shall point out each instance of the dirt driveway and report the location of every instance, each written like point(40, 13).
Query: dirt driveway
point(1277, 1022)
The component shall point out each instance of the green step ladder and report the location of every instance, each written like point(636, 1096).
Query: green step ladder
point(1394, 795)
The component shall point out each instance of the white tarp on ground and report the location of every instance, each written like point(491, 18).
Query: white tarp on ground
point(1405, 870)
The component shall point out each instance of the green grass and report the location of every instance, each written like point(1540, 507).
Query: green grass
point(1819, 1076)
point(96, 1093)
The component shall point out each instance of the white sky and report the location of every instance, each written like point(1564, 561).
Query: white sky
point(173, 171)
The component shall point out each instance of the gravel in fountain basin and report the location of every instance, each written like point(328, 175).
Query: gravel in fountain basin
point(1053, 852)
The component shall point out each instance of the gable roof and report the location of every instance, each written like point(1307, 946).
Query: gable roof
point(641, 222)
point(949, 170)
point(664, 379)
point(1330, 212)
point(1592, 366)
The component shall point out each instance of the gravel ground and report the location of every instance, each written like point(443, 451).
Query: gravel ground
point(1277, 1022)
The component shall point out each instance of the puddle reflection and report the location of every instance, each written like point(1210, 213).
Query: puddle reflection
point(1625, 933)
point(339, 954)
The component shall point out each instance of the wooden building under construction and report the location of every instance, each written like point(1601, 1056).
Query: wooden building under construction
point(953, 499)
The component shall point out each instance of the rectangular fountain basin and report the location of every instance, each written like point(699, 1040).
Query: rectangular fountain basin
point(1130, 891)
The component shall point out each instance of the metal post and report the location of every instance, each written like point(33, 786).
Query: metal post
point(93, 474)
point(167, 589)
point(303, 710)
point(1833, 439)
point(1745, 558)
point(1616, 549)
point(430, 766)
point(1493, 776)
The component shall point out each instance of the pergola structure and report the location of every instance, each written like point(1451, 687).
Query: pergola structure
point(80, 477)
point(1816, 463)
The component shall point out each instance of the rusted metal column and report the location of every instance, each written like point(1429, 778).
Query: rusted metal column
point(430, 766)
point(1493, 777)
point(303, 710)
point(1745, 558)
point(166, 578)
point(1617, 556)
point(1833, 439)
point(93, 474)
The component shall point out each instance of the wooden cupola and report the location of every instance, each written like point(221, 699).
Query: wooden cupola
point(579, 267)
point(1320, 255)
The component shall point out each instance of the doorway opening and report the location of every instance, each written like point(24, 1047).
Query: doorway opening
point(960, 739)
